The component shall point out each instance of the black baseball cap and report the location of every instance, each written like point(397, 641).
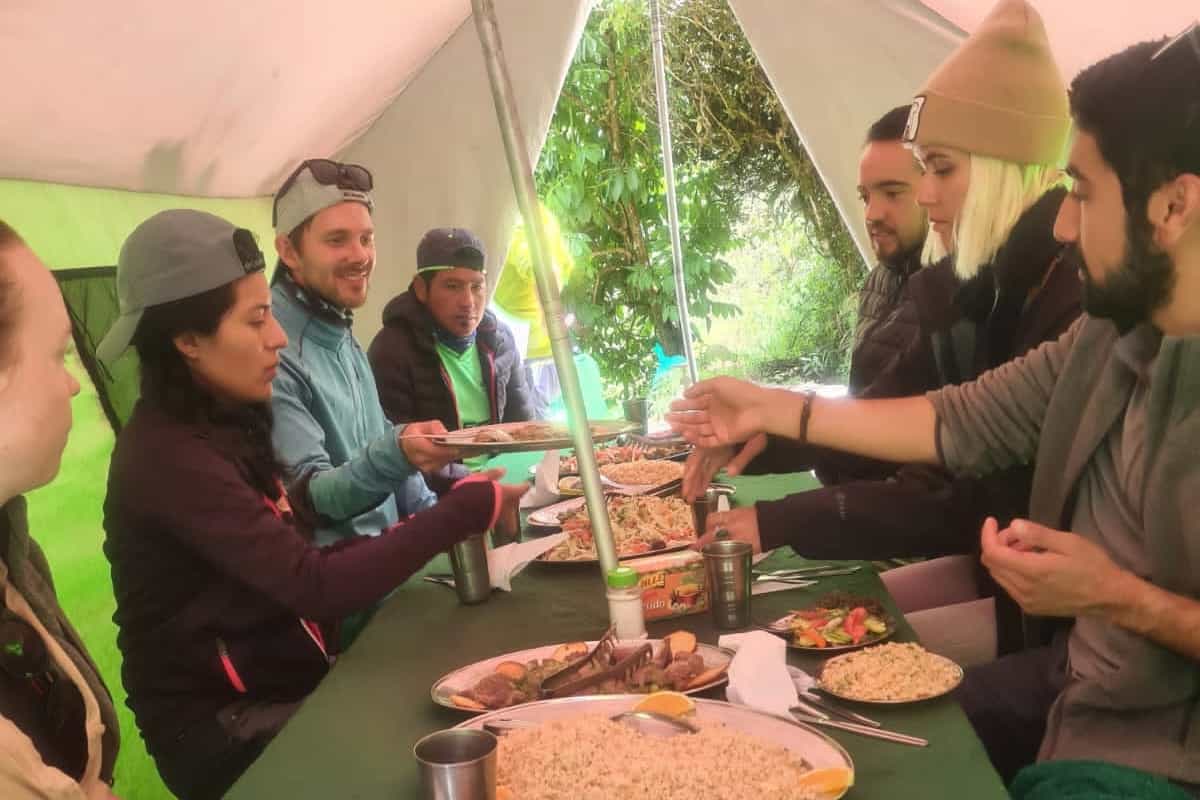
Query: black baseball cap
point(446, 248)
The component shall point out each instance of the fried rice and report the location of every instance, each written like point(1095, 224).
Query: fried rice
point(890, 673)
point(593, 758)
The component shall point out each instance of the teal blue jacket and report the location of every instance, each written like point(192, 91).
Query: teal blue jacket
point(329, 423)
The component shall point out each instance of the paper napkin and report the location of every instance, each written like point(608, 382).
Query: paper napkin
point(758, 674)
point(506, 561)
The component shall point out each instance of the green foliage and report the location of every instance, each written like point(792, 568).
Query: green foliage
point(798, 307)
point(601, 174)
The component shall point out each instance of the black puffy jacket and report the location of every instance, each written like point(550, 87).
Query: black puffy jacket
point(414, 386)
point(881, 334)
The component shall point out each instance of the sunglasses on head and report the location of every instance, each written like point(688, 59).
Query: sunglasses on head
point(327, 173)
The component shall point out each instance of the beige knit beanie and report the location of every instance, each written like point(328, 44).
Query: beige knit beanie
point(999, 94)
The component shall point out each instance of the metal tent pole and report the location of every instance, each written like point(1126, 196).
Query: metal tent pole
point(519, 166)
point(664, 126)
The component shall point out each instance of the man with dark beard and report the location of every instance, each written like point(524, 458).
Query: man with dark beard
point(887, 185)
point(1110, 413)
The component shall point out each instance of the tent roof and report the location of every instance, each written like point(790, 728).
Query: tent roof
point(223, 98)
point(838, 65)
point(216, 99)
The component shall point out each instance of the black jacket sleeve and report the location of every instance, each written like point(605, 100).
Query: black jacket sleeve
point(518, 405)
point(922, 511)
point(393, 378)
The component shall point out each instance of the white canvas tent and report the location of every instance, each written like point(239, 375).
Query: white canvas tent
point(213, 104)
point(115, 109)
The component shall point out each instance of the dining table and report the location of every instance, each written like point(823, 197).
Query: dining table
point(352, 738)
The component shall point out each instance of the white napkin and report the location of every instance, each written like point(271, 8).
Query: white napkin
point(766, 587)
point(506, 561)
point(758, 674)
point(545, 483)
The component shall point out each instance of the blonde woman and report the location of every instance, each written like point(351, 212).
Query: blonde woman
point(989, 127)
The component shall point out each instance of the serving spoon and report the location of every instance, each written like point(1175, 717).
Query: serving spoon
point(503, 725)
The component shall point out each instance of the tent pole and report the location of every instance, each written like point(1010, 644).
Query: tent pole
point(521, 169)
point(664, 127)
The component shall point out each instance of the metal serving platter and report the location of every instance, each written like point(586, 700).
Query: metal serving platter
point(464, 439)
point(464, 678)
point(809, 744)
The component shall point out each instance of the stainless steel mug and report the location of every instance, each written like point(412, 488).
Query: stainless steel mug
point(457, 764)
point(702, 506)
point(727, 567)
point(468, 561)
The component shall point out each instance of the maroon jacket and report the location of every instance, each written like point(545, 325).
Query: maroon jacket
point(217, 586)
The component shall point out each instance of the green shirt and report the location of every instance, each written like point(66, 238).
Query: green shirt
point(466, 379)
point(470, 395)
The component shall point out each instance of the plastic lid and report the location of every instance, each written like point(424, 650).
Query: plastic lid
point(622, 578)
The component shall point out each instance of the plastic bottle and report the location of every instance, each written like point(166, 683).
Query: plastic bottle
point(625, 603)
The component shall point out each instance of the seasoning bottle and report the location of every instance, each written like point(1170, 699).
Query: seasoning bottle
point(625, 603)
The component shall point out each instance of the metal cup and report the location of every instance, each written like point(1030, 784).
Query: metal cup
point(468, 561)
point(637, 411)
point(457, 764)
point(727, 567)
point(702, 506)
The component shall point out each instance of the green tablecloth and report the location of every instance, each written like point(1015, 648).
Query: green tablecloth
point(353, 737)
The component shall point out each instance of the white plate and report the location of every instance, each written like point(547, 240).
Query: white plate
point(548, 516)
point(782, 628)
point(464, 678)
point(816, 748)
point(958, 679)
point(602, 431)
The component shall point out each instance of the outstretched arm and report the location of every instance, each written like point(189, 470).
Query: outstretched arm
point(722, 411)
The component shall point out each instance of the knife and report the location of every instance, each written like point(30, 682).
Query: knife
point(816, 702)
point(861, 730)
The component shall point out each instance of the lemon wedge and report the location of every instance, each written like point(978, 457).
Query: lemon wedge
point(672, 704)
point(828, 780)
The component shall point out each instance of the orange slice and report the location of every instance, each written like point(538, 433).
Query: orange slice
point(672, 704)
point(828, 780)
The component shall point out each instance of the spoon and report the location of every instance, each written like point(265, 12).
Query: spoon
point(503, 725)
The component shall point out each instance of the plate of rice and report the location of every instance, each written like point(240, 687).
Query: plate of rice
point(738, 753)
point(890, 673)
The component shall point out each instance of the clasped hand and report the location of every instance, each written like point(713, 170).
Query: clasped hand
point(1048, 572)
